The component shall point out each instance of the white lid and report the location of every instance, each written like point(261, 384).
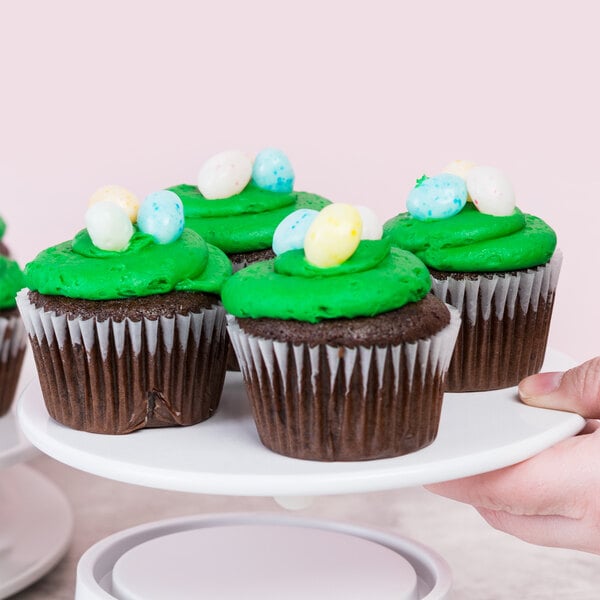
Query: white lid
point(262, 562)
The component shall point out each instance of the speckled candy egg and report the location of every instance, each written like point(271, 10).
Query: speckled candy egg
point(117, 195)
point(333, 236)
point(224, 175)
point(437, 197)
point(161, 216)
point(372, 228)
point(491, 191)
point(108, 226)
point(273, 171)
point(290, 233)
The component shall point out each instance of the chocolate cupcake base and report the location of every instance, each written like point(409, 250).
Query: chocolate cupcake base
point(117, 366)
point(13, 344)
point(505, 324)
point(345, 402)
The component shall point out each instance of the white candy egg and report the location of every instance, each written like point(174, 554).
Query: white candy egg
point(491, 191)
point(117, 195)
point(225, 174)
point(333, 236)
point(108, 226)
point(372, 228)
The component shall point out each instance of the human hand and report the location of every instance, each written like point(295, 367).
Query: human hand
point(552, 499)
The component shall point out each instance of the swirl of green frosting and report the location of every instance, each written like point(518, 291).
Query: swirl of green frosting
point(2, 227)
point(78, 269)
point(11, 281)
point(471, 241)
point(376, 279)
point(243, 222)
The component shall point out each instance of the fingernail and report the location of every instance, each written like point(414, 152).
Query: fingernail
point(538, 385)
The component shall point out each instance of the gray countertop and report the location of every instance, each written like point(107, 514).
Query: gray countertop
point(485, 563)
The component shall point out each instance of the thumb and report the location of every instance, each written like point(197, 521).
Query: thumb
point(576, 390)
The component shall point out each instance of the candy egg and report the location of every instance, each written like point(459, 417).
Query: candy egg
point(117, 195)
point(224, 175)
point(273, 171)
point(437, 197)
point(491, 191)
point(333, 236)
point(372, 228)
point(290, 233)
point(460, 168)
point(108, 226)
point(161, 216)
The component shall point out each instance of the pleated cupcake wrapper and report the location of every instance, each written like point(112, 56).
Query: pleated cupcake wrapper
point(302, 395)
point(505, 323)
point(13, 337)
point(13, 343)
point(143, 348)
point(477, 298)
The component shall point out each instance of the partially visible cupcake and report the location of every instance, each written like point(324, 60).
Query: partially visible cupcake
point(342, 349)
point(13, 341)
point(4, 251)
point(238, 202)
point(125, 320)
point(497, 265)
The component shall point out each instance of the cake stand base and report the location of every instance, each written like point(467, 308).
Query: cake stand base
point(259, 556)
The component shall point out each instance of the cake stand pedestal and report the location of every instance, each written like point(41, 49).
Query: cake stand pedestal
point(36, 522)
point(478, 432)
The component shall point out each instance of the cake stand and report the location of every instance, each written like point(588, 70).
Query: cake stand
point(478, 432)
point(36, 521)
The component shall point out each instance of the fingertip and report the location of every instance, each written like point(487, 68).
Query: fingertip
point(539, 385)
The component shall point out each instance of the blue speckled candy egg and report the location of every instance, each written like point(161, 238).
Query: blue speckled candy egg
point(290, 233)
point(437, 197)
point(273, 171)
point(161, 216)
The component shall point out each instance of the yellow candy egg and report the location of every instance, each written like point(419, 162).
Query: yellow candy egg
point(333, 236)
point(460, 168)
point(118, 195)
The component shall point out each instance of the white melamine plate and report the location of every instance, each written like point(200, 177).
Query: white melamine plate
point(14, 446)
point(36, 525)
point(478, 432)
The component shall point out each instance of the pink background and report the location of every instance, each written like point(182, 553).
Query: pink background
point(364, 98)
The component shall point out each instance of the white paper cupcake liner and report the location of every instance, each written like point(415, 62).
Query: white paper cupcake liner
point(340, 403)
point(13, 343)
point(115, 376)
point(13, 337)
point(501, 293)
point(505, 323)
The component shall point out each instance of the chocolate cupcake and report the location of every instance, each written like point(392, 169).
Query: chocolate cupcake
point(342, 349)
point(13, 341)
point(4, 251)
point(238, 202)
point(496, 264)
point(125, 321)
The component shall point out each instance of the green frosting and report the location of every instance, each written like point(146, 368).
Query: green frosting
point(11, 281)
point(244, 222)
point(374, 280)
point(2, 227)
point(78, 269)
point(471, 241)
